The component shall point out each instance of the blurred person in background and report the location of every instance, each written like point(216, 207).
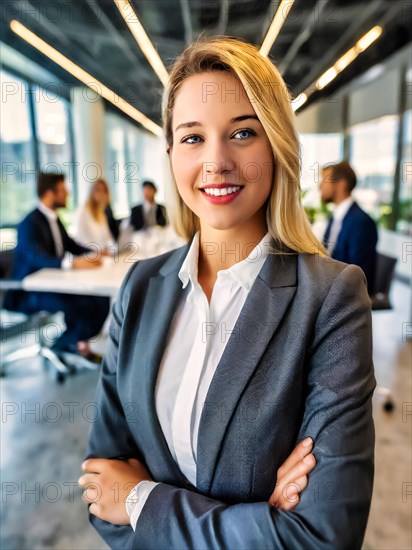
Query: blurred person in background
point(143, 216)
point(92, 225)
point(149, 213)
point(43, 242)
point(351, 235)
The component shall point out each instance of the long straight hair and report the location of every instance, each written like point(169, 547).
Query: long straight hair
point(94, 208)
point(286, 218)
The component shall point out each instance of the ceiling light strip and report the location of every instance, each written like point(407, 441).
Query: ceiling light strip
point(277, 23)
point(136, 28)
point(84, 77)
point(346, 59)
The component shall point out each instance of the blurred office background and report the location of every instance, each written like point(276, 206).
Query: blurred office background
point(53, 118)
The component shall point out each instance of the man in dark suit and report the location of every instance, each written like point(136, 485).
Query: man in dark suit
point(351, 235)
point(149, 213)
point(42, 242)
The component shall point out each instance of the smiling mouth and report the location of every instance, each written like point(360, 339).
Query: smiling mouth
point(221, 191)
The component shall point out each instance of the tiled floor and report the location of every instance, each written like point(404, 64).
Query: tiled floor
point(44, 429)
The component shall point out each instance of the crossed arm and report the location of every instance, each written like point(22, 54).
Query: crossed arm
point(107, 483)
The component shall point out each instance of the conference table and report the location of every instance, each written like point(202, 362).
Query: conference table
point(101, 281)
point(106, 279)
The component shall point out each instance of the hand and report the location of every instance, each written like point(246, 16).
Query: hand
point(107, 484)
point(293, 476)
point(84, 262)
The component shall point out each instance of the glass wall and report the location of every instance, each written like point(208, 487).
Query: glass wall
point(373, 157)
point(18, 193)
point(404, 222)
point(132, 156)
point(316, 151)
point(55, 149)
point(52, 130)
point(35, 134)
point(116, 164)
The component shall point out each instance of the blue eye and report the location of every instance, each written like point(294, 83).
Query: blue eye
point(244, 134)
point(187, 139)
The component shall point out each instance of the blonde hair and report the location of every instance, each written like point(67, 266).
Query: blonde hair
point(94, 208)
point(266, 90)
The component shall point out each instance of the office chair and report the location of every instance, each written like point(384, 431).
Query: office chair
point(14, 324)
point(384, 271)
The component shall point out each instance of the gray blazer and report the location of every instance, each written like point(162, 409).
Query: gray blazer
point(298, 364)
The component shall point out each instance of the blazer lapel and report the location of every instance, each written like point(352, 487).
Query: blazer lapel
point(163, 294)
point(264, 309)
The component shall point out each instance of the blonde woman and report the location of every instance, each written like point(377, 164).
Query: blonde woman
point(92, 226)
point(235, 397)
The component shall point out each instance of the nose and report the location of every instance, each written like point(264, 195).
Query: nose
point(217, 160)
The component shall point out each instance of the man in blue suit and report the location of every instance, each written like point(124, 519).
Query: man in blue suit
point(351, 234)
point(42, 242)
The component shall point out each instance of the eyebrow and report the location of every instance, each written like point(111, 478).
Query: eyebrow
point(232, 121)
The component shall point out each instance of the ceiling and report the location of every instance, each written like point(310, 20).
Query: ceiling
point(93, 34)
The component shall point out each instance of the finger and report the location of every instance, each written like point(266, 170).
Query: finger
point(299, 485)
point(294, 488)
point(94, 509)
point(302, 468)
point(94, 465)
point(91, 494)
point(86, 479)
point(289, 504)
point(299, 452)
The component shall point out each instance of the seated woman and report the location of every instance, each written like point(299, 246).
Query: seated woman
point(92, 226)
point(235, 397)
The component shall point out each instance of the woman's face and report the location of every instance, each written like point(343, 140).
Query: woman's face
point(100, 194)
point(221, 157)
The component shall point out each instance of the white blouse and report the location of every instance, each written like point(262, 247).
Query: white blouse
point(198, 336)
point(90, 232)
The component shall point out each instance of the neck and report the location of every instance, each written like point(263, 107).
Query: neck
point(221, 249)
point(338, 200)
point(48, 204)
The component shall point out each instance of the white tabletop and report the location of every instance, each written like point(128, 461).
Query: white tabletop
point(102, 281)
point(107, 279)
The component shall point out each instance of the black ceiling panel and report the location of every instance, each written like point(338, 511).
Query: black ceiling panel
point(316, 33)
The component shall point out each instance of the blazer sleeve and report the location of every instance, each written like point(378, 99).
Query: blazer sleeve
point(70, 245)
point(110, 436)
point(31, 249)
point(333, 509)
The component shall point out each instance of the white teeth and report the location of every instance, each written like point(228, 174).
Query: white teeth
point(221, 192)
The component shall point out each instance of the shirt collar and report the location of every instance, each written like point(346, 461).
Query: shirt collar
point(243, 272)
point(48, 212)
point(342, 208)
point(148, 205)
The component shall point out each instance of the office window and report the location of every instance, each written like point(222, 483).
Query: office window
point(52, 129)
point(154, 162)
point(133, 165)
point(18, 187)
point(146, 160)
point(373, 157)
point(404, 222)
point(116, 164)
point(53, 141)
point(316, 151)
